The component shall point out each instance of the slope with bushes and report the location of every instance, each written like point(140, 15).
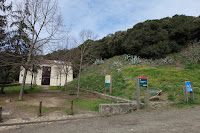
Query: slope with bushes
point(166, 74)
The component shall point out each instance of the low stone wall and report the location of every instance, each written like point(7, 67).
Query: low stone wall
point(108, 97)
point(119, 108)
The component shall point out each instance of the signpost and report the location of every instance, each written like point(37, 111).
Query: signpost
point(108, 81)
point(142, 82)
point(188, 88)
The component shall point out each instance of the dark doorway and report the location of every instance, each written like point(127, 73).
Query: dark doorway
point(46, 74)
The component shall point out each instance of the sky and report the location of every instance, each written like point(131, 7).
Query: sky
point(109, 16)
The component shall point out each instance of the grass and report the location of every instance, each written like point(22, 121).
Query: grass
point(16, 89)
point(163, 77)
point(68, 112)
point(91, 105)
point(2, 102)
point(183, 104)
point(60, 88)
point(171, 97)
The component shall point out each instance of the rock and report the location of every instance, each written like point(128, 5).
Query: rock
point(154, 98)
point(6, 112)
point(8, 100)
point(159, 93)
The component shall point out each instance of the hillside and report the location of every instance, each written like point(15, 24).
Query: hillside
point(152, 39)
point(168, 76)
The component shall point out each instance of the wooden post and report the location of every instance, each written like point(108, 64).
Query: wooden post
point(185, 94)
point(0, 114)
point(138, 92)
point(71, 111)
point(110, 84)
point(192, 95)
point(147, 95)
point(40, 109)
point(104, 88)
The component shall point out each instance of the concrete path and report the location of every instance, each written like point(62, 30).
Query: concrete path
point(156, 121)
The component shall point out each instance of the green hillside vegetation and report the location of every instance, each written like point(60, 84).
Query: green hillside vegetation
point(166, 74)
point(150, 39)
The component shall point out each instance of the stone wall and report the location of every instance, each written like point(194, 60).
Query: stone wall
point(119, 108)
point(108, 97)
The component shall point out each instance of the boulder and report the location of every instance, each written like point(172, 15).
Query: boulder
point(159, 93)
point(8, 100)
point(154, 98)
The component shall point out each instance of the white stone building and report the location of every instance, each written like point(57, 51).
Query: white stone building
point(50, 72)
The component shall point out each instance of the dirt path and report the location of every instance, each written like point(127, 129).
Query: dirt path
point(156, 121)
point(54, 101)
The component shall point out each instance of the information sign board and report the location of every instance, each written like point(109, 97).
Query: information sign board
point(107, 79)
point(143, 81)
point(188, 86)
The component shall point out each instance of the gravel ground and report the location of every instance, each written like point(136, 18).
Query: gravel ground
point(165, 121)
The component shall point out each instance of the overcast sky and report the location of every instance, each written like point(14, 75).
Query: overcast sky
point(109, 16)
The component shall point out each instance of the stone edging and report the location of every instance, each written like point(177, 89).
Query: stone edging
point(121, 107)
point(108, 97)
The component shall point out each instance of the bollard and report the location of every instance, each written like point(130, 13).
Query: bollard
point(40, 109)
point(0, 114)
point(71, 111)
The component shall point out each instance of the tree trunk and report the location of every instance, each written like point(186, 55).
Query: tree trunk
point(32, 77)
point(79, 76)
point(32, 81)
point(66, 82)
point(66, 74)
point(60, 79)
point(2, 88)
point(4, 82)
point(25, 72)
point(23, 84)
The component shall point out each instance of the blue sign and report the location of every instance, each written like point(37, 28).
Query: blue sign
point(188, 86)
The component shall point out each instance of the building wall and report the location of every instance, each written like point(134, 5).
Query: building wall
point(57, 75)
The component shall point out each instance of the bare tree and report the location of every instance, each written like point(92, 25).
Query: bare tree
point(66, 59)
point(86, 37)
point(43, 22)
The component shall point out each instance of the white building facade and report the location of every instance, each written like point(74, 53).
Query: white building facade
point(50, 72)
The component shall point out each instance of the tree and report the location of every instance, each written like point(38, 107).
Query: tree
point(86, 37)
point(5, 66)
point(43, 22)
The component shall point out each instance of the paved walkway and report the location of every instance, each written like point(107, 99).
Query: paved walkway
point(156, 121)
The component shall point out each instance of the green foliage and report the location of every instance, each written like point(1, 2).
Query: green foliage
point(183, 104)
point(192, 66)
point(152, 39)
point(88, 104)
point(16, 89)
point(171, 97)
point(136, 60)
point(68, 112)
point(167, 60)
point(115, 63)
point(165, 78)
point(98, 62)
point(127, 57)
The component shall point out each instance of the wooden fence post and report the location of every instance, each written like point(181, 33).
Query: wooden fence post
point(0, 113)
point(147, 94)
point(110, 84)
point(138, 92)
point(185, 94)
